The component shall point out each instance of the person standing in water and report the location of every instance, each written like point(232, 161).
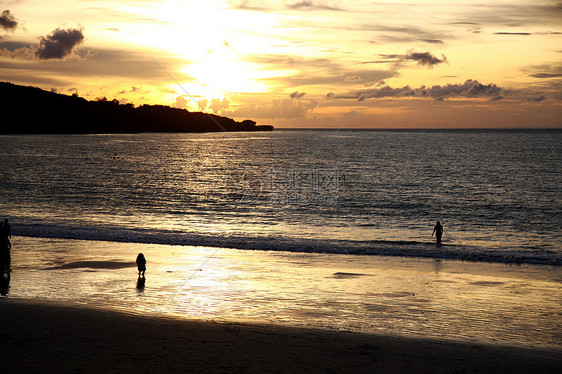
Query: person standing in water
point(141, 264)
point(438, 231)
point(5, 245)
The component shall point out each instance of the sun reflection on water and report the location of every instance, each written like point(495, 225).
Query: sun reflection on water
point(390, 295)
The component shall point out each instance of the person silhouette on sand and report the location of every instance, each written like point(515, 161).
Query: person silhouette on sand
point(438, 231)
point(141, 264)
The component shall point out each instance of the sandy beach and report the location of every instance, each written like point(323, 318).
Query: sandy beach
point(210, 310)
point(41, 337)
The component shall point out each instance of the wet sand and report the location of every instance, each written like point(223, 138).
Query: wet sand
point(48, 337)
point(468, 302)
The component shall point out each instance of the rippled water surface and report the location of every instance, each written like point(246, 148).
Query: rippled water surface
point(368, 192)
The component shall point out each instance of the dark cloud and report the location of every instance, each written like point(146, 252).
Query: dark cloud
point(425, 58)
point(512, 33)
point(59, 44)
point(432, 41)
point(537, 99)
point(12, 45)
point(545, 71)
point(421, 58)
point(7, 21)
point(297, 95)
point(528, 33)
point(468, 89)
point(546, 75)
point(132, 89)
point(17, 49)
point(464, 23)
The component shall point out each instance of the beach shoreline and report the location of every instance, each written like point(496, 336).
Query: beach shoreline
point(389, 296)
point(49, 337)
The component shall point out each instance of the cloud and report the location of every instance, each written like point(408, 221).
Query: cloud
point(402, 34)
point(7, 21)
point(133, 66)
point(16, 49)
point(324, 72)
point(512, 33)
point(545, 71)
point(468, 89)
point(316, 71)
point(293, 62)
point(509, 13)
point(425, 58)
point(297, 95)
point(311, 5)
point(537, 99)
point(218, 105)
point(124, 91)
point(203, 104)
point(432, 41)
point(285, 108)
point(181, 102)
point(546, 75)
point(421, 58)
point(247, 5)
point(464, 23)
point(59, 44)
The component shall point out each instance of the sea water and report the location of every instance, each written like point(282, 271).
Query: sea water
point(497, 193)
point(328, 229)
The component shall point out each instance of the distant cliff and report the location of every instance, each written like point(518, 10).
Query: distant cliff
point(36, 111)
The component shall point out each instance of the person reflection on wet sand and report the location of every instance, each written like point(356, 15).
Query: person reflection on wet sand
point(140, 283)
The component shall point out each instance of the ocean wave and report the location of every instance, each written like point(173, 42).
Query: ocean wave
point(405, 248)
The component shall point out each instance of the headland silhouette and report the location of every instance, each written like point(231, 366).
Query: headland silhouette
point(53, 113)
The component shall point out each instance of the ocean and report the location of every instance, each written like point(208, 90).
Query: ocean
point(496, 192)
point(310, 228)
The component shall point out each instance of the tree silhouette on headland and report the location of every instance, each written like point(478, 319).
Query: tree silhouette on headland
point(41, 112)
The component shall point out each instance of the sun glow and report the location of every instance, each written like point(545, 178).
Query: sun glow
point(212, 39)
point(220, 72)
point(311, 58)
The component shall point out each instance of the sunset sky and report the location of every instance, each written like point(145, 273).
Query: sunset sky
point(295, 63)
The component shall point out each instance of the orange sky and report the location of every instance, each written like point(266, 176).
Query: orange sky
point(295, 63)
